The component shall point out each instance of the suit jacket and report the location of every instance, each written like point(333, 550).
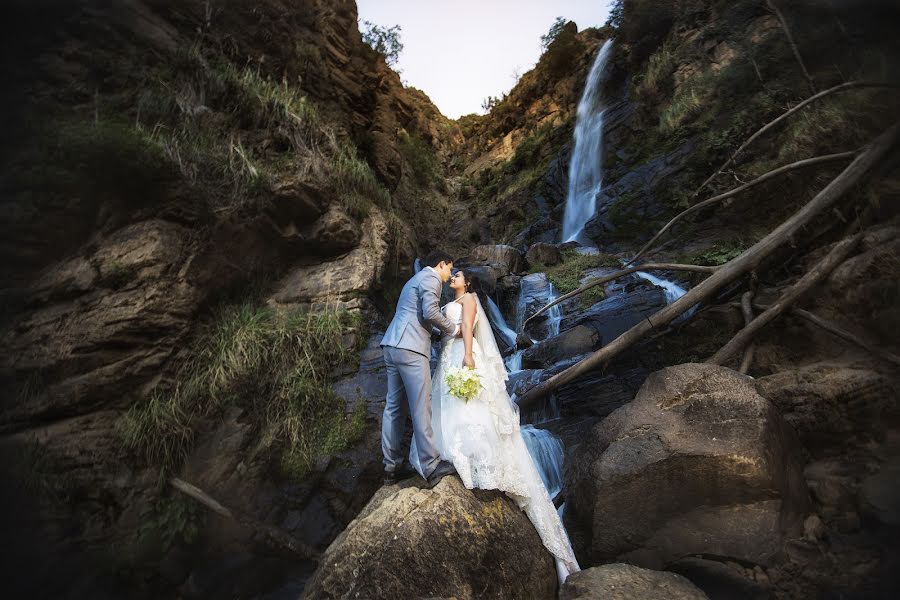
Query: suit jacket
point(417, 310)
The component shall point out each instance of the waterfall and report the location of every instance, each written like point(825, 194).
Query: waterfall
point(554, 315)
point(499, 322)
point(547, 452)
point(585, 169)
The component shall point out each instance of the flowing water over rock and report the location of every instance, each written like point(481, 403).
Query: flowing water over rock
point(585, 175)
point(499, 323)
point(547, 452)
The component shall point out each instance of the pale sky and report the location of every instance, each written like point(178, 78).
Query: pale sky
point(461, 51)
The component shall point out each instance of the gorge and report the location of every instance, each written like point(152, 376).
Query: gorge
point(210, 207)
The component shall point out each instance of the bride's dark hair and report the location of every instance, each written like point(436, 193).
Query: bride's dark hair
point(473, 283)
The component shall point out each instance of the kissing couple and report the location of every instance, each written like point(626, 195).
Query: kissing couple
point(478, 439)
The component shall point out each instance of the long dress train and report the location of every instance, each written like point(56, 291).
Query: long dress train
point(482, 438)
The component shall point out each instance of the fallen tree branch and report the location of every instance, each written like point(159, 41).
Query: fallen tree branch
point(771, 124)
point(724, 196)
point(741, 265)
point(836, 256)
point(793, 44)
point(835, 330)
point(747, 310)
point(617, 275)
point(273, 534)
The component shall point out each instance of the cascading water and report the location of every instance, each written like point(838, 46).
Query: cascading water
point(585, 169)
point(497, 320)
point(673, 290)
point(547, 452)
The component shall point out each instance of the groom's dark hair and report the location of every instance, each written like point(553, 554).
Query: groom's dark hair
point(435, 257)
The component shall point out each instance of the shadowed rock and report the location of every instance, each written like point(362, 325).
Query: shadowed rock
point(627, 582)
point(445, 542)
point(698, 463)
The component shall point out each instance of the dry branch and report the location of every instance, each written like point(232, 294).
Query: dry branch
point(724, 196)
point(836, 330)
point(821, 270)
point(743, 264)
point(786, 114)
point(617, 275)
point(273, 534)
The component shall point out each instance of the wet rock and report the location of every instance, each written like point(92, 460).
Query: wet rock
point(535, 292)
point(698, 463)
point(541, 254)
point(627, 582)
point(596, 327)
point(447, 541)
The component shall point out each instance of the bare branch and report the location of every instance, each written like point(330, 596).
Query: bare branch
point(821, 270)
point(836, 330)
point(617, 275)
point(743, 264)
point(273, 534)
point(801, 105)
point(724, 196)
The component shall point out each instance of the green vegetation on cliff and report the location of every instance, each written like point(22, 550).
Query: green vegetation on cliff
point(277, 367)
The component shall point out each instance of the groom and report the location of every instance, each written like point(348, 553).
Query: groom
point(407, 349)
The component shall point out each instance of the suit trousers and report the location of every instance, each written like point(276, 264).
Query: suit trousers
point(409, 391)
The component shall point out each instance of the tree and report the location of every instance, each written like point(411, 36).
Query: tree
point(384, 40)
point(557, 28)
point(615, 13)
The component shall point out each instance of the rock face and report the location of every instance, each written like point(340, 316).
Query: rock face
point(626, 582)
point(445, 542)
point(698, 463)
point(830, 405)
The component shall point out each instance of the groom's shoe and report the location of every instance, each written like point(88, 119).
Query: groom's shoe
point(404, 472)
point(443, 469)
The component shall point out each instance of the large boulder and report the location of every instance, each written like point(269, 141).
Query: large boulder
point(698, 463)
point(541, 254)
point(444, 542)
point(506, 258)
point(626, 582)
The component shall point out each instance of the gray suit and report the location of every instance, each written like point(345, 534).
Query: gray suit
point(407, 348)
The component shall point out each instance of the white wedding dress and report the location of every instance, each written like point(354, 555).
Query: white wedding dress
point(481, 437)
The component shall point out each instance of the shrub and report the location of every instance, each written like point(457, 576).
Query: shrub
point(420, 155)
point(355, 181)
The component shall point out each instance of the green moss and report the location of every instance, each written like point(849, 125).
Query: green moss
point(567, 275)
point(276, 367)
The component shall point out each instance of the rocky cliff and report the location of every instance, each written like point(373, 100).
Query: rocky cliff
point(176, 176)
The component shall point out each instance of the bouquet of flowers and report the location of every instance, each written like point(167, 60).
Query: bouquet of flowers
point(463, 382)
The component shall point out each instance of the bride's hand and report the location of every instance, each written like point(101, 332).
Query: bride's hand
point(468, 361)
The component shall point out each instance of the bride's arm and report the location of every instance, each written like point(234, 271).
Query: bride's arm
point(468, 329)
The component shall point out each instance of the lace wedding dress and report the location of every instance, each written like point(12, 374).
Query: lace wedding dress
point(481, 437)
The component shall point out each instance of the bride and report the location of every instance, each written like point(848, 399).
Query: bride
point(481, 437)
